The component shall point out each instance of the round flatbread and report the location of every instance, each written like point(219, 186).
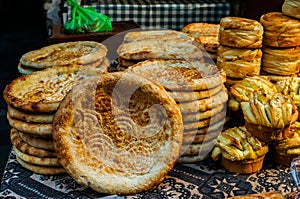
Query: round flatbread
point(204, 104)
point(201, 149)
point(43, 170)
point(219, 117)
point(180, 74)
point(26, 116)
point(24, 70)
point(200, 138)
point(43, 90)
point(205, 130)
point(201, 115)
point(66, 53)
point(22, 146)
point(44, 161)
point(186, 96)
point(38, 142)
point(32, 128)
point(119, 133)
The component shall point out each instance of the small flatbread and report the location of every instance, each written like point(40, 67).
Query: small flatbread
point(108, 135)
point(38, 142)
point(205, 130)
point(43, 90)
point(161, 35)
point(201, 115)
point(63, 54)
point(26, 116)
point(24, 70)
point(197, 149)
point(189, 126)
point(148, 49)
point(200, 138)
point(204, 104)
point(177, 75)
point(44, 161)
point(25, 148)
point(32, 128)
point(185, 96)
point(43, 170)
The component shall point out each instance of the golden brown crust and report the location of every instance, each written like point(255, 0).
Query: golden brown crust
point(209, 43)
point(240, 32)
point(103, 147)
point(62, 54)
point(180, 74)
point(280, 30)
point(201, 29)
point(291, 8)
point(281, 61)
point(43, 90)
point(38, 142)
point(243, 167)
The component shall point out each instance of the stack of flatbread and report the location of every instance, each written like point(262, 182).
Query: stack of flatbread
point(206, 35)
point(32, 102)
point(156, 44)
point(199, 91)
point(85, 53)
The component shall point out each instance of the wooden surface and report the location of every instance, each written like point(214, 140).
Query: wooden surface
point(119, 27)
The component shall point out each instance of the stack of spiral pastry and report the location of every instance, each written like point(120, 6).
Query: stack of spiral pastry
point(239, 53)
point(281, 43)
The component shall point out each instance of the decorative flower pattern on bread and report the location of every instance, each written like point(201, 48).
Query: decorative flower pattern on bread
point(241, 91)
point(273, 110)
point(237, 144)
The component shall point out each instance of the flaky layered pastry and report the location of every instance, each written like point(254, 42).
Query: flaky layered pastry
point(237, 144)
point(243, 90)
point(291, 8)
point(239, 62)
point(290, 87)
point(119, 133)
point(281, 61)
point(240, 32)
point(280, 30)
point(273, 110)
point(209, 43)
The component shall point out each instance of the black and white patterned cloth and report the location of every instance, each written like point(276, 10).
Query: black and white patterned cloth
point(161, 14)
point(205, 180)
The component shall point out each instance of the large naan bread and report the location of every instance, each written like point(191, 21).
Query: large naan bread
point(67, 53)
point(43, 90)
point(119, 133)
point(180, 74)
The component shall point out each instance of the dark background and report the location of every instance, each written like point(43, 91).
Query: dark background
point(23, 28)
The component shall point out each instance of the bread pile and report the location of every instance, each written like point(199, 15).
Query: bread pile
point(32, 101)
point(206, 35)
point(156, 44)
point(281, 46)
point(239, 53)
point(198, 88)
point(84, 53)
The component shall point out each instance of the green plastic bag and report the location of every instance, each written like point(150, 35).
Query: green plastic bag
point(86, 20)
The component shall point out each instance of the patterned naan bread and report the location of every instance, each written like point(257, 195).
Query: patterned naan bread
point(119, 133)
point(43, 90)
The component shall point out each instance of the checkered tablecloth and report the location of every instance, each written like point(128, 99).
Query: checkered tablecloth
point(161, 14)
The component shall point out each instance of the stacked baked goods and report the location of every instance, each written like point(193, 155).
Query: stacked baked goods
point(84, 53)
point(281, 51)
point(32, 101)
point(121, 135)
point(239, 53)
point(206, 35)
point(156, 44)
point(199, 91)
point(239, 151)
